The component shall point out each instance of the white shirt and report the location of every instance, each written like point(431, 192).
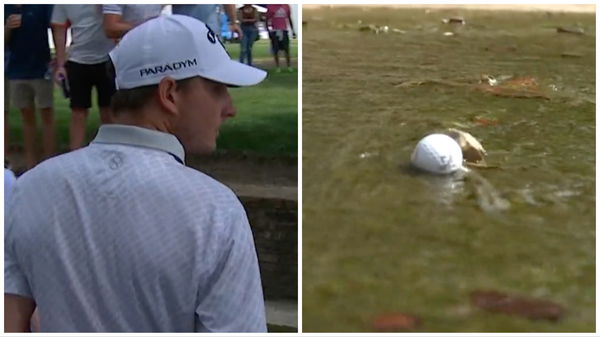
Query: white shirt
point(121, 237)
point(89, 44)
point(133, 14)
point(9, 183)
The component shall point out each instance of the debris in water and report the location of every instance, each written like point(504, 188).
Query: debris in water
point(489, 79)
point(573, 30)
point(449, 34)
point(485, 121)
point(365, 155)
point(525, 82)
point(458, 20)
point(366, 28)
point(504, 92)
point(391, 322)
point(374, 28)
point(472, 149)
point(518, 87)
point(531, 308)
point(571, 55)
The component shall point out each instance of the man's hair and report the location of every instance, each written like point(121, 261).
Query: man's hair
point(134, 99)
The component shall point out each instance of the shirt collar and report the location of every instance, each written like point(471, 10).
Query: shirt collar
point(137, 136)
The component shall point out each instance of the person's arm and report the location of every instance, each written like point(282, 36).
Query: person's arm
point(17, 313)
point(6, 35)
point(290, 20)
point(232, 16)
point(13, 21)
point(60, 41)
point(8, 13)
point(59, 36)
point(267, 20)
point(115, 27)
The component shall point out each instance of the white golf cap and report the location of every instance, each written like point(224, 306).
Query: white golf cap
point(178, 46)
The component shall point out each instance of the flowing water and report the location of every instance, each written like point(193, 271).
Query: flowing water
point(379, 237)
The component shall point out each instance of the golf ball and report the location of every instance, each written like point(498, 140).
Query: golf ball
point(437, 153)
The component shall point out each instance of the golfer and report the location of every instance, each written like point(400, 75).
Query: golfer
point(121, 236)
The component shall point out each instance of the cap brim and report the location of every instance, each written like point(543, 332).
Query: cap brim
point(233, 73)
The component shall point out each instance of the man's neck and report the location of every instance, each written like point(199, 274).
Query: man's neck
point(146, 121)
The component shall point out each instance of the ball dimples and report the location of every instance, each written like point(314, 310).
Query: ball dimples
point(437, 153)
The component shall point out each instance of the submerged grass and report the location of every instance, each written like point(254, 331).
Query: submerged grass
point(378, 238)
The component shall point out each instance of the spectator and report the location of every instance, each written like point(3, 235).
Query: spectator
point(278, 17)
point(249, 16)
point(132, 239)
point(119, 19)
point(28, 73)
point(209, 14)
point(86, 66)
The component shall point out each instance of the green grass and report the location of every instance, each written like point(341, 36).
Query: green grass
point(266, 121)
point(261, 49)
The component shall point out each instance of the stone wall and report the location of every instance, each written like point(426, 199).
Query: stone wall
point(274, 224)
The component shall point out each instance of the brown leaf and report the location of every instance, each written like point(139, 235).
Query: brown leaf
point(485, 121)
point(396, 321)
point(525, 82)
point(502, 91)
point(531, 308)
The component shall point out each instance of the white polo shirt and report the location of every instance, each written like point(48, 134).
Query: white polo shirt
point(133, 14)
point(120, 236)
point(89, 43)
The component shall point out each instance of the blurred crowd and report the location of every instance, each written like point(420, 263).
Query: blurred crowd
point(32, 70)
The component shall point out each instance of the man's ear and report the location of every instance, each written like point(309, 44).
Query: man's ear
point(167, 95)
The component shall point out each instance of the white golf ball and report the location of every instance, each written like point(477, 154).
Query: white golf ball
point(437, 153)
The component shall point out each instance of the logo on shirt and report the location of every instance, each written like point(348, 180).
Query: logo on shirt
point(168, 67)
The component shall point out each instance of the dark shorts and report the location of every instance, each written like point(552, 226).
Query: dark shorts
point(82, 77)
point(280, 40)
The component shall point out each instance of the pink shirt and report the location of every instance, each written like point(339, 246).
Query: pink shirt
point(278, 16)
